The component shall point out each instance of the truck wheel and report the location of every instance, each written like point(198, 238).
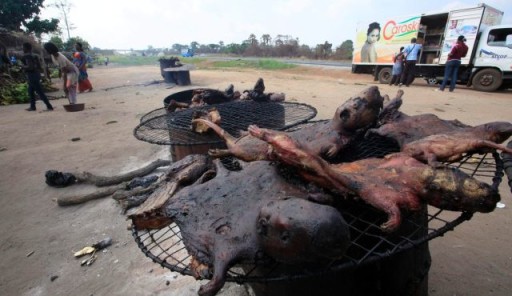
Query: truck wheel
point(487, 80)
point(432, 81)
point(385, 75)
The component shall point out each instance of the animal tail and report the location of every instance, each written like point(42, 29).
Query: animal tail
point(229, 139)
point(501, 147)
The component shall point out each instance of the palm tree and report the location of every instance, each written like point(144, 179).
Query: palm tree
point(266, 39)
point(252, 39)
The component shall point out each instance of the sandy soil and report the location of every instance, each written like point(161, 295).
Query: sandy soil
point(38, 237)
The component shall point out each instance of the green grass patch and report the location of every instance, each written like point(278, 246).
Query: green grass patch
point(126, 60)
point(200, 62)
point(253, 64)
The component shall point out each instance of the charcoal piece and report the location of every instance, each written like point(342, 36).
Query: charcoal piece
point(141, 182)
point(59, 179)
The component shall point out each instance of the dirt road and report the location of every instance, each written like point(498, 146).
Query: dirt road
point(38, 237)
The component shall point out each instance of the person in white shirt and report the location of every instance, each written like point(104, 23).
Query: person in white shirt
point(69, 72)
point(411, 56)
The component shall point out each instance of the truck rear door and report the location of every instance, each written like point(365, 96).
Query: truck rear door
point(461, 22)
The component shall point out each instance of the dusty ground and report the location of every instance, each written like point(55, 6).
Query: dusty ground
point(38, 237)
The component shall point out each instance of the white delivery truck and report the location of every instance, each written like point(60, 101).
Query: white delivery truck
point(487, 66)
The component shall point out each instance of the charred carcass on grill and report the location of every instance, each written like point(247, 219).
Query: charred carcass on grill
point(450, 146)
point(223, 223)
point(258, 94)
point(193, 169)
point(325, 139)
point(395, 182)
point(405, 129)
point(211, 115)
point(205, 96)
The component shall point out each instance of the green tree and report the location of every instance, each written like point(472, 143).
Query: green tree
point(39, 26)
point(176, 47)
point(213, 47)
point(344, 51)
point(266, 39)
point(252, 40)
point(57, 41)
point(234, 48)
point(324, 50)
point(15, 14)
point(194, 45)
point(70, 44)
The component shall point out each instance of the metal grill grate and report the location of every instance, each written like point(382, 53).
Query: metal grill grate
point(175, 128)
point(369, 244)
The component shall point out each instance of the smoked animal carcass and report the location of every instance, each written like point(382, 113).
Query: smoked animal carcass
point(450, 146)
point(390, 184)
point(405, 129)
point(211, 115)
point(326, 138)
point(248, 215)
point(205, 96)
point(258, 94)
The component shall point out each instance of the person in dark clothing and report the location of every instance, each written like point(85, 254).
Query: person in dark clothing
point(398, 61)
point(32, 67)
point(451, 70)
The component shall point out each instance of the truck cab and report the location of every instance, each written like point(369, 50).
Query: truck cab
point(492, 63)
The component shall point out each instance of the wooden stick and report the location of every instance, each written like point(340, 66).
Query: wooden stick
point(101, 181)
point(75, 200)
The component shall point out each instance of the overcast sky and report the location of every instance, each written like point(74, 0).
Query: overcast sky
point(135, 24)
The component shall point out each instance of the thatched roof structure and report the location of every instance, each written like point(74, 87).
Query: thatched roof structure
point(12, 43)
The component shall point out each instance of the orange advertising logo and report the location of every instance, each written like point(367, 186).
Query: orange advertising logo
point(393, 29)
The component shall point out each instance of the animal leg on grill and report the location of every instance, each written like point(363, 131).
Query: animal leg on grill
point(390, 110)
point(246, 148)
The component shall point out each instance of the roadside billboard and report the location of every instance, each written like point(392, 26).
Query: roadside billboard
point(378, 41)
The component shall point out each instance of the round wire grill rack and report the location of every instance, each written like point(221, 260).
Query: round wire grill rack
point(175, 128)
point(152, 114)
point(368, 243)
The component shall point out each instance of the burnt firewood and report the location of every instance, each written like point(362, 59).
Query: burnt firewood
point(59, 179)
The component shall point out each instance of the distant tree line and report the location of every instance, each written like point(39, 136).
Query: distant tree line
point(265, 46)
point(23, 15)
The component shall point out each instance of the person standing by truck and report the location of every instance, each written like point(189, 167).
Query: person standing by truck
point(451, 70)
point(411, 56)
point(398, 64)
